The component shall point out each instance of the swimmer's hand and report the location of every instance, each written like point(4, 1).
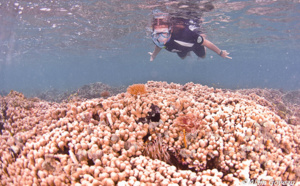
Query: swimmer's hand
point(225, 54)
point(154, 53)
point(151, 56)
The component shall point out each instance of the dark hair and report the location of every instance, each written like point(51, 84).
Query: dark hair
point(161, 19)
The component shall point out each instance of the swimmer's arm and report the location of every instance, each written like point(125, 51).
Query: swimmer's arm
point(155, 52)
point(213, 47)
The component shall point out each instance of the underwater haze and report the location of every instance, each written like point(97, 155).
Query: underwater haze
point(65, 44)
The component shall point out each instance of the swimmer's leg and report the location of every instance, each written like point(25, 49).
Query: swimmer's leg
point(182, 55)
point(199, 50)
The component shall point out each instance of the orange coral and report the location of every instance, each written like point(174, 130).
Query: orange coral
point(137, 89)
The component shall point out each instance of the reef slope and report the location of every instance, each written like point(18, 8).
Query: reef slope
point(180, 134)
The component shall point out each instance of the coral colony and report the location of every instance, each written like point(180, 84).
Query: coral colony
point(155, 133)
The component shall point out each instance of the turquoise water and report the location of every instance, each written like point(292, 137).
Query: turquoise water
point(66, 44)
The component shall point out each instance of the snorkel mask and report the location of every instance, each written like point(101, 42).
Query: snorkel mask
point(161, 29)
point(161, 36)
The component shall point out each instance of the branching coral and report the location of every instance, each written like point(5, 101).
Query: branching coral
point(137, 89)
point(229, 139)
point(285, 104)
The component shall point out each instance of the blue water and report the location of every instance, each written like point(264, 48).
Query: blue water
point(66, 44)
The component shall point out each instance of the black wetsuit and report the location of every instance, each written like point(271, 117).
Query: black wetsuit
point(183, 40)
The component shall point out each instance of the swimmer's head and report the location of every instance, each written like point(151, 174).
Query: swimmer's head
point(160, 20)
point(161, 28)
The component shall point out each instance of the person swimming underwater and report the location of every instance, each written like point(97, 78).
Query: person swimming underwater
point(176, 35)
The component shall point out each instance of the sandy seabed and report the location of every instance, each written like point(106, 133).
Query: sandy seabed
point(171, 135)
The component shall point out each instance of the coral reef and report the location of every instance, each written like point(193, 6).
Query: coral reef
point(93, 90)
point(137, 89)
point(105, 94)
point(96, 90)
point(284, 104)
point(156, 149)
point(188, 121)
point(229, 138)
point(152, 116)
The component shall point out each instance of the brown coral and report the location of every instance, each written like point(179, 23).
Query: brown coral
point(105, 94)
point(137, 89)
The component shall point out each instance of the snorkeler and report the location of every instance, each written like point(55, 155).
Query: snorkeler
point(176, 35)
